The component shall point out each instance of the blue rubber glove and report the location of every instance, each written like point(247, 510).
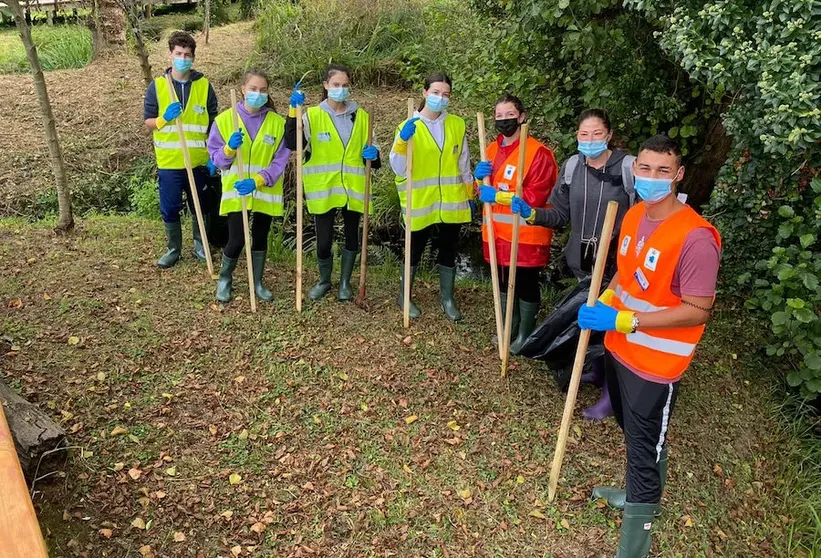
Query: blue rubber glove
point(173, 112)
point(370, 153)
point(408, 129)
point(297, 96)
point(236, 139)
point(245, 187)
point(518, 205)
point(483, 170)
point(600, 317)
point(212, 168)
point(487, 194)
point(474, 210)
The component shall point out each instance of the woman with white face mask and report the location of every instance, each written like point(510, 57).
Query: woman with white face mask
point(264, 157)
point(588, 180)
point(443, 190)
point(335, 139)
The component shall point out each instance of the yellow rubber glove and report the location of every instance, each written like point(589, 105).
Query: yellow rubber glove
point(228, 151)
point(607, 296)
point(532, 217)
point(292, 112)
point(259, 180)
point(624, 321)
point(160, 123)
point(504, 198)
point(400, 147)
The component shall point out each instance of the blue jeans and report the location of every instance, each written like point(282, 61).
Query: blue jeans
point(173, 182)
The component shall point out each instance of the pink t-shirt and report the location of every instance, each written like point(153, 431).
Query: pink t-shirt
point(696, 271)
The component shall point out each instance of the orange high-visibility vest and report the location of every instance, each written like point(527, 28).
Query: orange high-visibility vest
point(504, 179)
point(644, 286)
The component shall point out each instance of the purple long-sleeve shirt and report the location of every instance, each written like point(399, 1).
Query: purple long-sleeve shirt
point(252, 123)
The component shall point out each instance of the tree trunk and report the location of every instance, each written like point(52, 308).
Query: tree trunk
point(132, 12)
point(107, 26)
point(65, 221)
point(207, 19)
point(700, 178)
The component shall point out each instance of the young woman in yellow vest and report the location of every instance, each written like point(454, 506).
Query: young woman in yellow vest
point(442, 185)
point(654, 312)
point(534, 242)
point(196, 105)
point(264, 157)
point(333, 174)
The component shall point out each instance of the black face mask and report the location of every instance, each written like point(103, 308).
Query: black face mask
point(508, 126)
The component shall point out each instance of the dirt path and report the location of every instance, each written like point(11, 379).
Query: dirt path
point(349, 436)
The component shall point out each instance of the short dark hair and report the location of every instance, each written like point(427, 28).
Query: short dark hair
point(435, 77)
point(329, 72)
point(512, 99)
point(601, 114)
point(662, 143)
point(182, 39)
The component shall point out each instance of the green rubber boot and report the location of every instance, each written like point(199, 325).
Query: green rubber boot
point(199, 249)
point(173, 235)
point(319, 290)
point(225, 283)
point(258, 259)
point(414, 311)
point(514, 326)
point(634, 540)
point(447, 278)
point(348, 261)
point(617, 497)
point(528, 312)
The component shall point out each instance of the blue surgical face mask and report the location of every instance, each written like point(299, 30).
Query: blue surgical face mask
point(339, 94)
point(255, 99)
point(592, 149)
point(653, 190)
point(436, 103)
point(182, 64)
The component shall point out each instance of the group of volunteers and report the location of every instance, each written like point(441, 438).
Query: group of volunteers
point(661, 269)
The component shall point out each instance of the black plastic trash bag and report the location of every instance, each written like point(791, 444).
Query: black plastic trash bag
point(555, 340)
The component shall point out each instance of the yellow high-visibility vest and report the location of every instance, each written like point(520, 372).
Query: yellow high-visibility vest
point(335, 174)
point(256, 156)
point(195, 122)
point(439, 193)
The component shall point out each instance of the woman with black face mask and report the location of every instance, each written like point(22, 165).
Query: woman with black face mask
point(534, 242)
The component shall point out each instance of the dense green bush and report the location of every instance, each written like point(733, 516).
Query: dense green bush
point(764, 59)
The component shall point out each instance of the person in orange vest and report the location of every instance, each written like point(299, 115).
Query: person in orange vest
point(654, 312)
point(534, 242)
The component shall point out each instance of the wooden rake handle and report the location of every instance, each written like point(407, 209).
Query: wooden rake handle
point(246, 228)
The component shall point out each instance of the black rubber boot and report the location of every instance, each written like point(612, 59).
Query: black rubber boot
point(447, 279)
point(225, 282)
point(635, 539)
point(258, 259)
point(414, 311)
point(199, 249)
point(173, 235)
point(348, 261)
point(528, 311)
point(319, 290)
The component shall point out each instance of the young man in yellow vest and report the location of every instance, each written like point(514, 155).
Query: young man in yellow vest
point(196, 104)
point(654, 312)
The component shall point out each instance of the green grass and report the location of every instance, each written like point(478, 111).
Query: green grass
point(59, 47)
point(310, 410)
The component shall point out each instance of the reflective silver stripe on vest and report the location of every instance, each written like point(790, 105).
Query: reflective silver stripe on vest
point(257, 195)
point(437, 206)
point(636, 304)
point(324, 193)
point(504, 219)
point(435, 181)
point(252, 169)
point(669, 346)
point(455, 206)
point(356, 195)
point(192, 144)
point(171, 128)
point(323, 169)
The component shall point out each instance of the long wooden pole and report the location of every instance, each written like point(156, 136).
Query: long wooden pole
point(192, 183)
point(514, 252)
point(246, 228)
point(491, 242)
point(363, 266)
point(406, 296)
point(20, 535)
point(299, 188)
point(581, 350)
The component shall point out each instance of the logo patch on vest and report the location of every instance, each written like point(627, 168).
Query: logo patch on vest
point(625, 243)
point(504, 187)
point(509, 171)
point(652, 259)
point(323, 136)
point(641, 279)
point(199, 109)
point(270, 140)
point(455, 149)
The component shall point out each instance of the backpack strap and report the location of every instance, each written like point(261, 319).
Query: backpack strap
point(570, 168)
point(627, 179)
